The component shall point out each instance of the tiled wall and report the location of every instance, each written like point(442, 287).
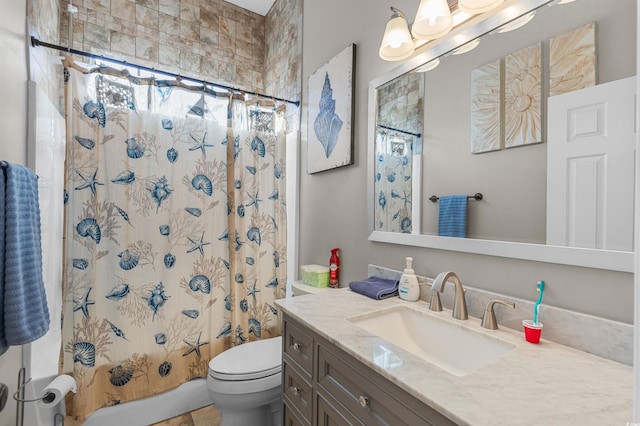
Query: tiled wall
point(283, 46)
point(209, 39)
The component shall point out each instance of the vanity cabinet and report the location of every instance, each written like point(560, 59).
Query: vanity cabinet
point(323, 385)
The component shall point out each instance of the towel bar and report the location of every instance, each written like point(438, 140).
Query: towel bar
point(477, 196)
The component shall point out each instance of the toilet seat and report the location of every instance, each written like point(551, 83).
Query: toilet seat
point(249, 361)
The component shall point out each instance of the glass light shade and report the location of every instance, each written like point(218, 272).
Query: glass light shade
point(433, 20)
point(428, 66)
point(397, 43)
point(516, 23)
point(468, 47)
point(478, 6)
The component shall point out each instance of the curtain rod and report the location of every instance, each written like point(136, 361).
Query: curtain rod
point(35, 43)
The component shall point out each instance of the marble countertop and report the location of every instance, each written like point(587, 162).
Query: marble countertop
point(545, 384)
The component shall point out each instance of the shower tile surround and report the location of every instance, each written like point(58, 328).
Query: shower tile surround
point(605, 338)
point(205, 39)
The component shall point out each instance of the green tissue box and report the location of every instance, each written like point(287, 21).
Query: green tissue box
point(315, 275)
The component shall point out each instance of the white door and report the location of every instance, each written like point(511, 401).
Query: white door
point(590, 167)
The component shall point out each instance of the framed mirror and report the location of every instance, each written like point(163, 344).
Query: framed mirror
point(568, 48)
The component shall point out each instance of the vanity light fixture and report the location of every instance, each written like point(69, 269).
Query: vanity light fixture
point(433, 20)
point(467, 47)
point(397, 43)
point(516, 23)
point(478, 6)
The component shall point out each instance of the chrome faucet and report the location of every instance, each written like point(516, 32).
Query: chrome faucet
point(459, 302)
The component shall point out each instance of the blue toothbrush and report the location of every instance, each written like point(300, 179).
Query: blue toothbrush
point(536, 307)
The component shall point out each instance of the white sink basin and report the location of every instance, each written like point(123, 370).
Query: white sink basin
point(450, 346)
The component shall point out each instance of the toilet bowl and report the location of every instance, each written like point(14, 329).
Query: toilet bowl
point(245, 383)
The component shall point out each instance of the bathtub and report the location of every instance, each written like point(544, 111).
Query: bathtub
point(183, 399)
point(186, 397)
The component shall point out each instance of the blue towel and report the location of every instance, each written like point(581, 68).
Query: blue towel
point(376, 288)
point(452, 217)
point(24, 316)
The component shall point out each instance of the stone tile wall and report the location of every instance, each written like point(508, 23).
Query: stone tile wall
point(209, 39)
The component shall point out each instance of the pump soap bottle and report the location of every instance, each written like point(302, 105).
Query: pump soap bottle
point(409, 288)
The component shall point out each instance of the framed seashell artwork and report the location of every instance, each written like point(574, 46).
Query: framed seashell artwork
point(486, 98)
point(330, 113)
point(572, 60)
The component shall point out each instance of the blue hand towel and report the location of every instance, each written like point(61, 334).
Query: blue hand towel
point(452, 217)
point(24, 315)
point(376, 288)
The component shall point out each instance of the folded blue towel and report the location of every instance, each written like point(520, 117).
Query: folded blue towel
point(24, 315)
point(376, 288)
point(452, 217)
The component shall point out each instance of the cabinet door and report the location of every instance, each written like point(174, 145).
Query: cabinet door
point(328, 413)
point(291, 418)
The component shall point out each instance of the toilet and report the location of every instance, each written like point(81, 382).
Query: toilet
point(245, 383)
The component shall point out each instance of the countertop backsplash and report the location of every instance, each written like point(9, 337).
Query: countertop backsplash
point(599, 336)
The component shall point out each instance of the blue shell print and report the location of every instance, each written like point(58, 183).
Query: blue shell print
point(134, 149)
point(191, 313)
point(202, 183)
point(128, 259)
point(244, 305)
point(194, 211)
point(225, 331)
point(200, 283)
point(160, 191)
point(81, 264)
point(85, 142)
point(157, 298)
point(120, 375)
point(254, 327)
point(95, 110)
point(89, 228)
point(167, 124)
point(118, 292)
point(164, 229)
point(161, 338)
point(257, 145)
point(84, 353)
point(327, 124)
point(124, 178)
point(164, 369)
point(169, 260)
point(172, 155)
point(253, 234)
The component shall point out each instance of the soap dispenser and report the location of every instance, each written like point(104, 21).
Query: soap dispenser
point(409, 288)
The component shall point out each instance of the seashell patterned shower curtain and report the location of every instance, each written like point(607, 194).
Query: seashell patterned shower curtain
point(175, 233)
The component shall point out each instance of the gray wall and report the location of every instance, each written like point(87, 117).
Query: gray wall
point(333, 204)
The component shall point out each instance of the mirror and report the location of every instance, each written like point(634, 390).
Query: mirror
point(511, 219)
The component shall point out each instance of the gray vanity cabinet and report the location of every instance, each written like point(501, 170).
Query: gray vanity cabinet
point(323, 385)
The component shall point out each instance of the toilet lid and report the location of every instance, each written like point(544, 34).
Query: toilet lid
point(248, 361)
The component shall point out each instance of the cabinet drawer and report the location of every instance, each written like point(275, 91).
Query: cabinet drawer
point(299, 346)
point(297, 391)
point(292, 418)
point(374, 402)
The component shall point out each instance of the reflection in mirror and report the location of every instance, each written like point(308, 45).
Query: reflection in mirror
point(398, 131)
point(522, 194)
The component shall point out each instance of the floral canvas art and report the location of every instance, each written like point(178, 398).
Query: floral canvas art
point(523, 93)
point(330, 113)
point(573, 60)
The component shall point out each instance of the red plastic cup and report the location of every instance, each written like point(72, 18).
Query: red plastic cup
point(532, 331)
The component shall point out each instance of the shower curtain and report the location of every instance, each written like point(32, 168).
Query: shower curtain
point(175, 232)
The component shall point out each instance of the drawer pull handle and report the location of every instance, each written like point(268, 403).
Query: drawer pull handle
point(295, 390)
point(297, 346)
point(364, 401)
